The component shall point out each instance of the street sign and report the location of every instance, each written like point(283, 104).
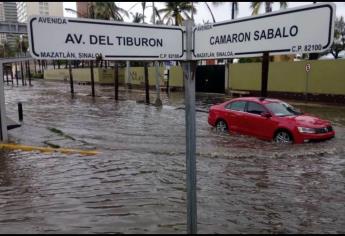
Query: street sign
point(62, 38)
point(307, 67)
point(296, 30)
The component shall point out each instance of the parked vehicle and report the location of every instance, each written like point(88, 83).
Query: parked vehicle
point(268, 119)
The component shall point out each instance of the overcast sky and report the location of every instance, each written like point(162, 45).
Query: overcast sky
point(221, 12)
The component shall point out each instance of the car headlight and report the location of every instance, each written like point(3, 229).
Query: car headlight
point(306, 130)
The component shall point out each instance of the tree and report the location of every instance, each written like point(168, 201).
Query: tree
point(255, 6)
point(143, 6)
point(137, 18)
point(339, 37)
point(22, 44)
point(106, 11)
point(6, 50)
point(234, 8)
point(176, 10)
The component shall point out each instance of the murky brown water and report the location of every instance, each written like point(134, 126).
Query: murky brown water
point(137, 183)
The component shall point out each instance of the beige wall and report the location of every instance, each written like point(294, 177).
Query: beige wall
point(325, 77)
point(105, 76)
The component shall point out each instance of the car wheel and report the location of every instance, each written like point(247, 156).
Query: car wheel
point(221, 126)
point(283, 137)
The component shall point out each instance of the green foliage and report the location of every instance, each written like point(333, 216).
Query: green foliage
point(106, 11)
point(6, 50)
point(38, 75)
point(249, 59)
point(176, 10)
point(255, 6)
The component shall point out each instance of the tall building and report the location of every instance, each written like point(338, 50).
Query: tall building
point(26, 9)
point(2, 18)
point(8, 13)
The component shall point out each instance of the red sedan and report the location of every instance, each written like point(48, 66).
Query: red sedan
point(268, 119)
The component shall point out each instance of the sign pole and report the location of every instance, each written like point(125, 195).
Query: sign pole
point(188, 75)
point(71, 78)
point(3, 126)
point(92, 79)
point(116, 80)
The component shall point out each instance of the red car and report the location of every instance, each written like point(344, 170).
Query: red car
point(268, 119)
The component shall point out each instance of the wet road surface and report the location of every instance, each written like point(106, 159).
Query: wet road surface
point(137, 183)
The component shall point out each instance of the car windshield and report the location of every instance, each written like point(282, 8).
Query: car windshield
point(283, 109)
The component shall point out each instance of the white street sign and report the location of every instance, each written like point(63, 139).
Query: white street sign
point(84, 39)
point(295, 30)
point(307, 67)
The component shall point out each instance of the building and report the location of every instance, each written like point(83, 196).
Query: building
point(82, 9)
point(8, 13)
point(2, 18)
point(26, 9)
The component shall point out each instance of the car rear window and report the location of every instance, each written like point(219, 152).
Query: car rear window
point(237, 106)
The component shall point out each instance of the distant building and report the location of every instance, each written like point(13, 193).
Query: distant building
point(8, 13)
point(82, 9)
point(26, 9)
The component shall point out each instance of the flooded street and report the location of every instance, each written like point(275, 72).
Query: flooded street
point(137, 182)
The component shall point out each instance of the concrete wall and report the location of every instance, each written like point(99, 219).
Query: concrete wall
point(176, 76)
point(138, 77)
point(325, 77)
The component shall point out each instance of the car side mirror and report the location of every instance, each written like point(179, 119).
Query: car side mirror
point(266, 114)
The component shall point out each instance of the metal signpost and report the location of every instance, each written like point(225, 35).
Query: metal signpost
point(283, 32)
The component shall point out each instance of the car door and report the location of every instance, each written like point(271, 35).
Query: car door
point(258, 125)
point(234, 115)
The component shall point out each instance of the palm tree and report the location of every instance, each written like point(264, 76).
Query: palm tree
point(234, 8)
point(107, 11)
point(255, 6)
point(143, 6)
point(137, 18)
point(176, 10)
point(22, 45)
point(155, 13)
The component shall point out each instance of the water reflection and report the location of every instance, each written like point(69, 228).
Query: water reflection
point(137, 184)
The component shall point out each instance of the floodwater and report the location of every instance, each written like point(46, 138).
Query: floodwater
point(137, 183)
